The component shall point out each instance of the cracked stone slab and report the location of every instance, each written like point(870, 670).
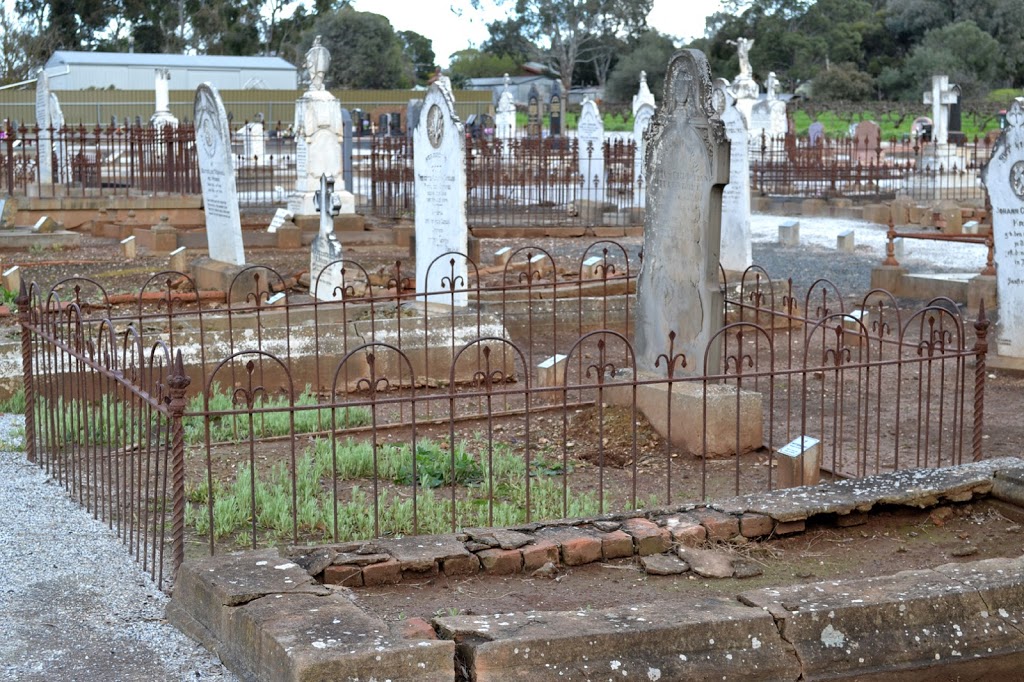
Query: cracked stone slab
point(233, 579)
point(663, 564)
point(914, 488)
point(897, 627)
point(423, 552)
point(499, 537)
point(692, 640)
point(706, 563)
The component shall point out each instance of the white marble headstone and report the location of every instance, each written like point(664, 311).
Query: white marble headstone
point(217, 177)
point(687, 167)
point(281, 216)
point(736, 252)
point(768, 116)
point(643, 95)
point(590, 134)
point(44, 123)
point(162, 115)
point(1004, 179)
point(253, 142)
point(439, 165)
point(641, 122)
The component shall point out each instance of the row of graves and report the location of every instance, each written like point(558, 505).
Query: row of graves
point(694, 352)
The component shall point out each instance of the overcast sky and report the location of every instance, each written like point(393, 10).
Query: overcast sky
point(453, 25)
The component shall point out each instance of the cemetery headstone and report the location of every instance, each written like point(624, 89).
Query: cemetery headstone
point(688, 165)
point(816, 133)
point(768, 118)
point(217, 177)
point(641, 122)
point(44, 123)
point(346, 151)
point(57, 122)
point(533, 113)
point(643, 94)
point(253, 142)
point(1004, 179)
point(281, 216)
point(505, 113)
point(941, 96)
point(867, 136)
point(412, 115)
point(590, 134)
point(744, 88)
point(439, 165)
point(319, 134)
point(736, 254)
point(325, 277)
point(556, 109)
point(162, 115)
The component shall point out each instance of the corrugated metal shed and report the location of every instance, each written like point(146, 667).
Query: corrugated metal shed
point(70, 70)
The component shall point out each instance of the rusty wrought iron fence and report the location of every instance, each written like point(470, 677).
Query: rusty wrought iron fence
point(867, 168)
point(137, 159)
point(283, 419)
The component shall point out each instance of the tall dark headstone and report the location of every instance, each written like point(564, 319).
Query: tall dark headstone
point(555, 109)
point(533, 113)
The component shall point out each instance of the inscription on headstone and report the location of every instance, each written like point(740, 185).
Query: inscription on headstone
point(217, 177)
point(439, 164)
point(688, 165)
point(736, 239)
point(533, 113)
point(325, 277)
point(44, 124)
point(1004, 179)
point(590, 133)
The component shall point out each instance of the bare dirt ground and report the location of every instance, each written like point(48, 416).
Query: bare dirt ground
point(890, 541)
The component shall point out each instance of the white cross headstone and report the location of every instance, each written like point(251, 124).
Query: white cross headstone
point(590, 134)
point(1004, 179)
point(326, 280)
point(941, 96)
point(688, 165)
point(217, 177)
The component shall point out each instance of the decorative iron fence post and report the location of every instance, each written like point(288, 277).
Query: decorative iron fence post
point(980, 349)
point(177, 382)
point(24, 317)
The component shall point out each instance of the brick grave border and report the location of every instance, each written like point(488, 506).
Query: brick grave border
point(286, 615)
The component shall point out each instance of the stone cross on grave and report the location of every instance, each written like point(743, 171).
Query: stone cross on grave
point(328, 205)
point(326, 276)
point(941, 96)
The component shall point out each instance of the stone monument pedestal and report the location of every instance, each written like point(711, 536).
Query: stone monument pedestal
point(217, 275)
point(687, 415)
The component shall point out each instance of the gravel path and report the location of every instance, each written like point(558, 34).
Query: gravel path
point(73, 603)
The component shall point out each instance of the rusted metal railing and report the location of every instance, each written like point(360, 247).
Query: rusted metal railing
point(282, 419)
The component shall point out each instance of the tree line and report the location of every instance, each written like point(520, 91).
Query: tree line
point(852, 50)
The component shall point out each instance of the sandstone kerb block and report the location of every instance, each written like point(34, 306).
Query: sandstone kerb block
point(347, 576)
point(689, 533)
point(577, 547)
point(539, 553)
point(616, 545)
point(385, 573)
point(460, 565)
point(720, 526)
point(755, 525)
point(501, 561)
point(648, 538)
